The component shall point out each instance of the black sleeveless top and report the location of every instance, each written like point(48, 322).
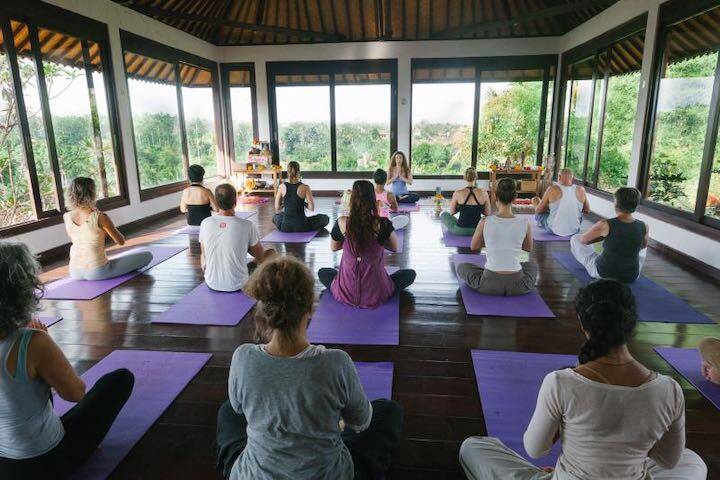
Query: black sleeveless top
point(294, 206)
point(470, 215)
point(620, 257)
point(197, 213)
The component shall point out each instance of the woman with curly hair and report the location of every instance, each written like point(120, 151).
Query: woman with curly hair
point(613, 416)
point(298, 410)
point(88, 228)
point(363, 236)
point(34, 441)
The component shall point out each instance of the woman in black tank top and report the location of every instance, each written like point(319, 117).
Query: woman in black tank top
point(470, 213)
point(292, 218)
point(197, 210)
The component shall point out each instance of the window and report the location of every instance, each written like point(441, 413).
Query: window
point(601, 105)
point(478, 112)
point(239, 85)
point(174, 111)
point(57, 116)
point(334, 116)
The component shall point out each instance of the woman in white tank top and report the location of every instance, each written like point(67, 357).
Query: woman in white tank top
point(88, 228)
point(505, 237)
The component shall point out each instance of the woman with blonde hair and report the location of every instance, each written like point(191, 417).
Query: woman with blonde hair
point(294, 197)
point(472, 202)
point(399, 177)
point(298, 410)
point(88, 229)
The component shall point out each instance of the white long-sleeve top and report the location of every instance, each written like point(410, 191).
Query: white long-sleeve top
point(607, 431)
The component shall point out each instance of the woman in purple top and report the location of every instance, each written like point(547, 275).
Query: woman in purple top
point(363, 236)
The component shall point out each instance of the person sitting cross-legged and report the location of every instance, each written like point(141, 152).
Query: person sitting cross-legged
point(560, 211)
point(387, 202)
point(294, 197)
point(472, 202)
point(225, 241)
point(625, 240)
point(296, 410)
point(505, 236)
point(363, 235)
point(615, 418)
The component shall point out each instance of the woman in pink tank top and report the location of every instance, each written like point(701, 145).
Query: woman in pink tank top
point(361, 279)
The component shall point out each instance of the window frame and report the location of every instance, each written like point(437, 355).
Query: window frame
point(670, 13)
point(41, 15)
point(540, 62)
point(225, 69)
point(331, 68)
point(594, 48)
point(139, 45)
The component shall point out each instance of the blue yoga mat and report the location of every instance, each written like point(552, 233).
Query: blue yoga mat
point(654, 303)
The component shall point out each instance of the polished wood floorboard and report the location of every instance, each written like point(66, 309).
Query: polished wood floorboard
point(434, 379)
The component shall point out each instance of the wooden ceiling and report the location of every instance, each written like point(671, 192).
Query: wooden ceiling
point(264, 22)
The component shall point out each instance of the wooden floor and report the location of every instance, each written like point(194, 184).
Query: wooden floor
point(434, 380)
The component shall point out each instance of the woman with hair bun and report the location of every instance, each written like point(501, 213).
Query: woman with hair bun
point(614, 417)
point(296, 410)
point(472, 202)
point(505, 237)
point(88, 228)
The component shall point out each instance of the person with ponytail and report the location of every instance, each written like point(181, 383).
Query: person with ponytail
point(614, 417)
point(363, 235)
point(294, 197)
point(399, 177)
point(296, 410)
point(472, 202)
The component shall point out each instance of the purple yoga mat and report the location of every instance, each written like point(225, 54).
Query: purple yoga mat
point(159, 379)
point(528, 305)
point(508, 384)
point(452, 240)
point(195, 229)
point(276, 236)
point(203, 306)
point(69, 289)
point(49, 320)
point(376, 379)
point(408, 207)
point(401, 241)
point(687, 362)
point(654, 303)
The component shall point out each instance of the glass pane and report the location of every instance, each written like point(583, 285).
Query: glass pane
point(581, 90)
point(683, 107)
point(442, 120)
point(548, 118)
point(242, 121)
point(712, 206)
point(16, 202)
point(103, 120)
point(153, 100)
point(595, 130)
point(509, 122)
point(303, 117)
point(362, 119)
point(31, 96)
point(199, 111)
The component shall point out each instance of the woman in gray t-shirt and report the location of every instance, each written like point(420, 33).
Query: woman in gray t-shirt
point(298, 411)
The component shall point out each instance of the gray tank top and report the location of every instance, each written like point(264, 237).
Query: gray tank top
point(28, 425)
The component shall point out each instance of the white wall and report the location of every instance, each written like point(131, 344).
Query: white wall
point(117, 17)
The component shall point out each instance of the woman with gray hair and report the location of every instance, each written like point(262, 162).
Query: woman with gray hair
point(34, 441)
point(88, 228)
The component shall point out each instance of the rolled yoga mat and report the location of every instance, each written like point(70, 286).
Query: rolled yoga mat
point(687, 362)
point(159, 379)
point(401, 241)
point(49, 320)
point(276, 236)
point(203, 306)
point(452, 240)
point(69, 289)
point(508, 384)
point(376, 379)
point(528, 305)
point(654, 303)
point(195, 229)
point(337, 323)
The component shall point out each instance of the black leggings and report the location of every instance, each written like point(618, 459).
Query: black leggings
point(371, 449)
point(303, 224)
point(86, 425)
point(408, 198)
point(402, 278)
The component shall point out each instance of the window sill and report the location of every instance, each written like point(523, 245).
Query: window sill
point(483, 175)
point(162, 190)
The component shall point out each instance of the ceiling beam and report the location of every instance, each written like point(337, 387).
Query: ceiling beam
point(544, 13)
point(162, 13)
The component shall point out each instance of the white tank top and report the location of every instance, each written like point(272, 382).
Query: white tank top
point(503, 238)
point(566, 214)
point(88, 242)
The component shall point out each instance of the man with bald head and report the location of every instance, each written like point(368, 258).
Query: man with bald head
point(560, 209)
